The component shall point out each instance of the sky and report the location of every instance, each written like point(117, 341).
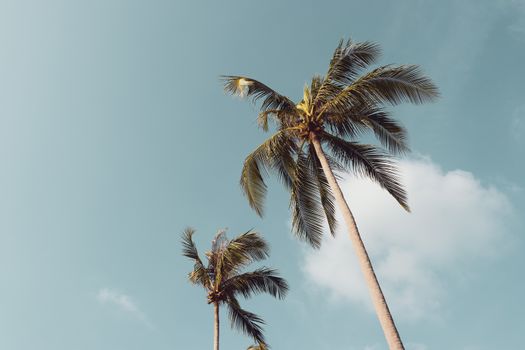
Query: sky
point(115, 135)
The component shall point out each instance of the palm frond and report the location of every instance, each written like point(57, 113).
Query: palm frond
point(262, 280)
point(307, 217)
point(282, 160)
point(275, 152)
point(247, 87)
point(397, 84)
point(325, 192)
point(199, 274)
point(249, 323)
point(347, 61)
point(189, 249)
point(219, 241)
point(251, 245)
point(368, 161)
point(328, 91)
point(262, 118)
point(345, 125)
point(365, 118)
point(315, 85)
point(282, 117)
point(388, 131)
point(252, 180)
point(240, 251)
point(390, 84)
point(214, 256)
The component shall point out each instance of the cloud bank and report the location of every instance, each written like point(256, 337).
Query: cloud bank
point(455, 221)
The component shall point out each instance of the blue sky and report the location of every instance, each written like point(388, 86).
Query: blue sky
point(115, 135)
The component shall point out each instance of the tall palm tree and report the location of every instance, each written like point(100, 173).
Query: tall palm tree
point(319, 135)
point(224, 280)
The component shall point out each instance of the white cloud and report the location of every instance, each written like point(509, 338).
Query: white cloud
point(455, 221)
point(123, 302)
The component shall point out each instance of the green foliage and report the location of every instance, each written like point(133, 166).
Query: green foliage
point(337, 109)
point(224, 279)
point(305, 202)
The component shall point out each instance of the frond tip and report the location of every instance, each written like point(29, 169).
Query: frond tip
point(247, 87)
point(189, 249)
point(397, 84)
point(199, 274)
point(242, 86)
point(249, 323)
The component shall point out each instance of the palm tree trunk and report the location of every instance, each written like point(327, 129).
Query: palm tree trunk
point(378, 299)
point(216, 327)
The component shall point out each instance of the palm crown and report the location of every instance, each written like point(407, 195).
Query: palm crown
point(336, 110)
point(224, 280)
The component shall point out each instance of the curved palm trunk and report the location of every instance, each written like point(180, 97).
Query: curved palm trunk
point(216, 327)
point(378, 299)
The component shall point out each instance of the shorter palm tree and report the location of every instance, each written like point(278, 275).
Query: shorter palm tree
point(260, 346)
point(224, 280)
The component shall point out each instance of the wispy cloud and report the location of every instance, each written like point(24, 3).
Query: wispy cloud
point(124, 303)
point(455, 220)
point(517, 125)
point(517, 27)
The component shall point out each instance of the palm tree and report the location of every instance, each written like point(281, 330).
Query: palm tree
point(260, 346)
point(224, 280)
point(319, 135)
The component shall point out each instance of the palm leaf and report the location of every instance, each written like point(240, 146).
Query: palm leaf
point(199, 274)
point(247, 87)
point(388, 131)
point(368, 161)
point(249, 323)
point(239, 252)
point(307, 217)
point(316, 84)
point(391, 84)
point(347, 61)
point(246, 248)
point(215, 268)
point(358, 120)
point(283, 117)
point(262, 280)
point(325, 192)
point(276, 153)
point(189, 249)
